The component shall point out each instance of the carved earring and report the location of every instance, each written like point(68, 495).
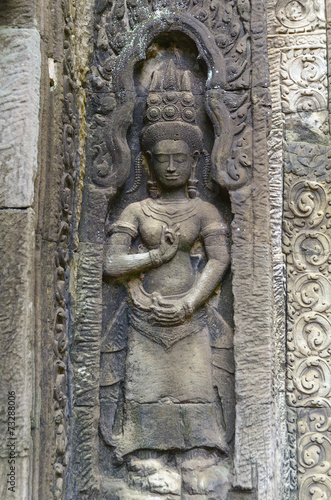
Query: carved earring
point(206, 171)
point(138, 172)
point(192, 184)
point(152, 186)
point(153, 189)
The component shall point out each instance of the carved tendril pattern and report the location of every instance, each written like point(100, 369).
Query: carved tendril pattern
point(302, 67)
point(314, 451)
point(308, 203)
point(304, 80)
point(60, 338)
point(227, 21)
point(302, 157)
point(307, 246)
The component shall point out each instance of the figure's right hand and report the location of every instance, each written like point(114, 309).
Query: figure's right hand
point(168, 244)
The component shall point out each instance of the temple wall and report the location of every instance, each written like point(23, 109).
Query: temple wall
point(47, 285)
point(20, 72)
point(299, 159)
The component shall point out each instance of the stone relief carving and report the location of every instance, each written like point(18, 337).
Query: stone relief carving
point(60, 339)
point(227, 22)
point(314, 450)
point(297, 40)
point(304, 80)
point(317, 39)
point(307, 246)
point(302, 158)
point(211, 59)
point(292, 447)
point(293, 16)
point(222, 31)
point(173, 362)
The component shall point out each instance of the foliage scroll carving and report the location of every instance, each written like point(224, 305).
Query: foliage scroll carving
point(314, 450)
point(294, 16)
point(301, 144)
point(304, 80)
point(307, 246)
point(65, 217)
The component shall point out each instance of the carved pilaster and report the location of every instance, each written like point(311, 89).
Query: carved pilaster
point(314, 451)
point(307, 246)
point(297, 38)
point(62, 256)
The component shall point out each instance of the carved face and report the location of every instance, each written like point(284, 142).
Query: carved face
point(172, 163)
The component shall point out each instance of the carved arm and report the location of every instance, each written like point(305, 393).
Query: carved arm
point(218, 261)
point(118, 262)
point(169, 312)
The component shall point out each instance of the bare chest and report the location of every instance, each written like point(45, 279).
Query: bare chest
point(152, 221)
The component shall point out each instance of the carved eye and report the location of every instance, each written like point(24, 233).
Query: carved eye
point(162, 158)
point(180, 158)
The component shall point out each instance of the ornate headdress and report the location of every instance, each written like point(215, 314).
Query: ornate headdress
point(170, 110)
point(170, 113)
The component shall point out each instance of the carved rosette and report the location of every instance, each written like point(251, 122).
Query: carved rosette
point(314, 452)
point(297, 16)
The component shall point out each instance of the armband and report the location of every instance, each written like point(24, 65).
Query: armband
point(124, 227)
point(215, 228)
point(188, 309)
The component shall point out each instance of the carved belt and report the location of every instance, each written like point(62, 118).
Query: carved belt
point(141, 321)
point(166, 335)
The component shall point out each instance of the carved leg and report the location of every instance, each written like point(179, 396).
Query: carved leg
point(206, 474)
point(154, 472)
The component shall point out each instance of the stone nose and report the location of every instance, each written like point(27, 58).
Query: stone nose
point(171, 165)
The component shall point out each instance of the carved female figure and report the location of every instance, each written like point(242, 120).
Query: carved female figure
point(169, 395)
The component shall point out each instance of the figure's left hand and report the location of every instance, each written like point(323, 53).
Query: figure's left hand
point(169, 311)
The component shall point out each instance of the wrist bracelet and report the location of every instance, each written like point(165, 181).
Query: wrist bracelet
point(188, 309)
point(155, 258)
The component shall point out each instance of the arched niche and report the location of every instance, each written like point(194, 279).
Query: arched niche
point(239, 164)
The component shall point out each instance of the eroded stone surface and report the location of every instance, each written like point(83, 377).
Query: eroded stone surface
point(298, 39)
point(213, 480)
point(19, 107)
point(20, 14)
point(16, 342)
point(256, 438)
point(107, 168)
